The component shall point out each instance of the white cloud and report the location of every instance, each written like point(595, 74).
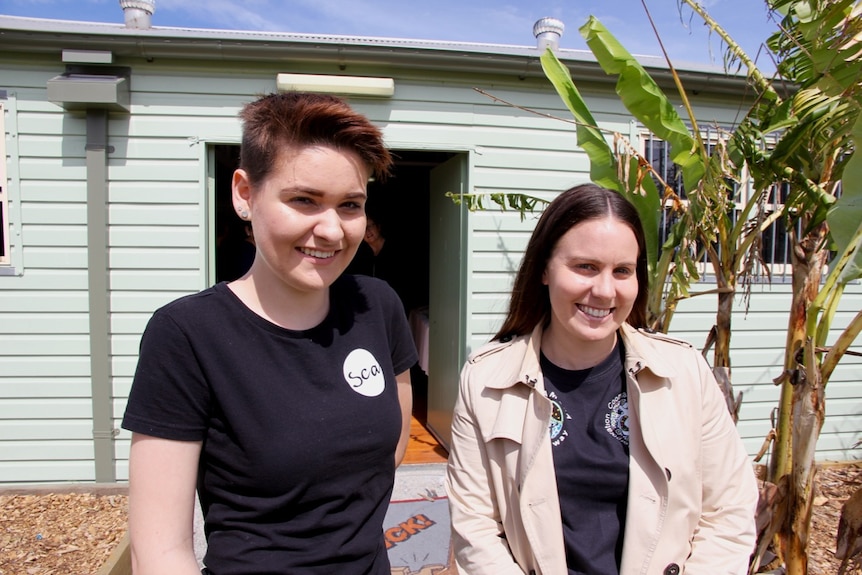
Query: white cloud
point(231, 14)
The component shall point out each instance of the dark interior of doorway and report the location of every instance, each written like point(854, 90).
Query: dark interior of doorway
point(403, 201)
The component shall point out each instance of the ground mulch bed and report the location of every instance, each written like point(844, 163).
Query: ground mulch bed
point(48, 533)
point(834, 486)
point(73, 533)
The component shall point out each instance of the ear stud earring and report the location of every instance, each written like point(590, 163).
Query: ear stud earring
point(243, 214)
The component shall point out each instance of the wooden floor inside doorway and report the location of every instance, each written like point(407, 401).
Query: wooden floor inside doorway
point(423, 447)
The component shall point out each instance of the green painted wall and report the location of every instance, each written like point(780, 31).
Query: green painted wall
point(160, 245)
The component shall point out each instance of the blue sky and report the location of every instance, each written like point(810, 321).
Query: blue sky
point(486, 21)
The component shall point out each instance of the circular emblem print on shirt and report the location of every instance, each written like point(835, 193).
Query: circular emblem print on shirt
point(363, 373)
point(556, 425)
point(617, 418)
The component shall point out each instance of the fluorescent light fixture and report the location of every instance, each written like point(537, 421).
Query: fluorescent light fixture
point(87, 57)
point(344, 85)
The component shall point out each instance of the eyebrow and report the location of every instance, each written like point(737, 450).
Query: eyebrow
point(583, 259)
point(319, 194)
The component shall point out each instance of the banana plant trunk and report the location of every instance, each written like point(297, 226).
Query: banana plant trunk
point(802, 408)
point(721, 355)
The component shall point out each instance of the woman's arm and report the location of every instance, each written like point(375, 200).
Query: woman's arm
point(162, 476)
point(405, 398)
point(478, 538)
point(725, 535)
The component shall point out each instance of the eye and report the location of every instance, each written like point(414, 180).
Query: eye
point(624, 271)
point(351, 206)
point(302, 201)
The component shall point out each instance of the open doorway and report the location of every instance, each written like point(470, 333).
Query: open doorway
point(402, 203)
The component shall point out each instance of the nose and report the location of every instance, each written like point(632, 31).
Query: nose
point(329, 226)
point(603, 285)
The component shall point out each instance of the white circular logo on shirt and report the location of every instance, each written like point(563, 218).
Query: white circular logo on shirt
point(363, 373)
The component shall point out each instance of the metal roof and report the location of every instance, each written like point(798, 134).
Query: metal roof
point(46, 35)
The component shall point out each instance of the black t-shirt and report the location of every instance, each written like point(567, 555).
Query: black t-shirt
point(299, 428)
point(589, 439)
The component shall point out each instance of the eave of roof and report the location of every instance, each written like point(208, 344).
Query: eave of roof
point(46, 36)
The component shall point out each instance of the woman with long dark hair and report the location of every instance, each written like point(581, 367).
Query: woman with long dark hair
point(583, 443)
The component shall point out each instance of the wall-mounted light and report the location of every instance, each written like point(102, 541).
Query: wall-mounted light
point(87, 57)
point(342, 85)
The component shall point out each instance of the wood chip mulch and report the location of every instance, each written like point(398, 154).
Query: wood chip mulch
point(74, 533)
point(834, 486)
point(59, 533)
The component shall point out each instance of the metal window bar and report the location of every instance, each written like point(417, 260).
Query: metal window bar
point(775, 244)
point(775, 251)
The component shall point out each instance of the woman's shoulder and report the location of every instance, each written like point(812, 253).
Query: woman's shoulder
point(664, 355)
point(662, 339)
point(654, 339)
point(192, 308)
point(360, 281)
point(359, 287)
point(193, 300)
point(497, 363)
point(496, 349)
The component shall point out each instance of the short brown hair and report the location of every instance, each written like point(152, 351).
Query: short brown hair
point(298, 119)
point(530, 303)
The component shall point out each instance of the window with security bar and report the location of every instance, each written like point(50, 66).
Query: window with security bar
point(773, 249)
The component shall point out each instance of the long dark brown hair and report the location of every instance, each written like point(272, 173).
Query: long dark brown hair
point(530, 303)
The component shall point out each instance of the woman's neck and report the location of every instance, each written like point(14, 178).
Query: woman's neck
point(286, 308)
point(575, 355)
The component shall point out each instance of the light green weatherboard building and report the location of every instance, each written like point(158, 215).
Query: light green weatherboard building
point(119, 143)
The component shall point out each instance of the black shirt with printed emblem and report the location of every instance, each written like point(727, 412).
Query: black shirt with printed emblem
point(299, 428)
point(589, 438)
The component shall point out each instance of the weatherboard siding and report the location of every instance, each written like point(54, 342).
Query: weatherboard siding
point(757, 348)
point(45, 411)
point(158, 240)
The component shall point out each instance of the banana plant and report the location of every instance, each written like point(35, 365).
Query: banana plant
point(808, 142)
point(623, 170)
point(804, 141)
point(707, 222)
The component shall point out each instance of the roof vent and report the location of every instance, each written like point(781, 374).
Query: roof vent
point(138, 13)
point(548, 32)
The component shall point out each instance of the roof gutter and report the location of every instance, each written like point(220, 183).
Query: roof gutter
point(162, 43)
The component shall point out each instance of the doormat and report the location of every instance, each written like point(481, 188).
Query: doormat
point(417, 537)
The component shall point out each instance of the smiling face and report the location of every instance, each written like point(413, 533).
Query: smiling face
point(592, 286)
point(308, 217)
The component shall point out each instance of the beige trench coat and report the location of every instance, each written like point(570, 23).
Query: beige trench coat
point(692, 490)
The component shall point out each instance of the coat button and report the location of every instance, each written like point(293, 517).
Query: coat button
point(672, 569)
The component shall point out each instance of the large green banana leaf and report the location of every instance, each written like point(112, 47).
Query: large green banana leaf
point(604, 168)
point(845, 217)
point(603, 165)
point(645, 100)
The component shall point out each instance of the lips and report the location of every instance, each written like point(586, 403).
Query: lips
point(594, 312)
point(317, 253)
